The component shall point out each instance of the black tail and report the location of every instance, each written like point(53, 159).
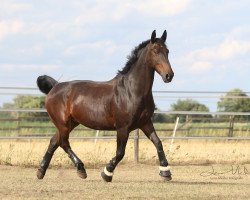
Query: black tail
point(45, 83)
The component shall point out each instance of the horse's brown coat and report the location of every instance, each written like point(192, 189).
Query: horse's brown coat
point(124, 103)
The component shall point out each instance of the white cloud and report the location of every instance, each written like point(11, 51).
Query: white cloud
point(231, 48)
point(91, 12)
point(109, 47)
point(8, 27)
point(31, 50)
point(228, 49)
point(160, 7)
point(110, 10)
point(204, 59)
point(240, 31)
point(8, 7)
point(28, 67)
point(201, 66)
point(116, 10)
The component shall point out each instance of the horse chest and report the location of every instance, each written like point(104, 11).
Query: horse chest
point(134, 112)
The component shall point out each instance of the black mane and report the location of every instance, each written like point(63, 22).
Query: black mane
point(132, 58)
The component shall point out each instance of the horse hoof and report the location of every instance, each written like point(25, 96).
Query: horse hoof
point(106, 178)
point(167, 178)
point(40, 173)
point(82, 174)
point(166, 175)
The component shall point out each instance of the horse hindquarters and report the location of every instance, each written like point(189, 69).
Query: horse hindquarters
point(61, 118)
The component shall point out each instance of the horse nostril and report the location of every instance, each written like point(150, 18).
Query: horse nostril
point(169, 77)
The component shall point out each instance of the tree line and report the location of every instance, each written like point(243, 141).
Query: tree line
point(240, 104)
point(226, 104)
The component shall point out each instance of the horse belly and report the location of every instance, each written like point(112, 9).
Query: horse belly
point(93, 114)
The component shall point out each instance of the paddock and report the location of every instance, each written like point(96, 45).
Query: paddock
point(195, 166)
point(131, 181)
point(192, 154)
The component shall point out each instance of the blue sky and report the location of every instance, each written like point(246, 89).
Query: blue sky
point(209, 41)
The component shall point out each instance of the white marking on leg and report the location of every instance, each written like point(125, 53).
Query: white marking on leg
point(162, 168)
point(107, 172)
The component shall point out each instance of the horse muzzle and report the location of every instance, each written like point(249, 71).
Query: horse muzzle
point(167, 78)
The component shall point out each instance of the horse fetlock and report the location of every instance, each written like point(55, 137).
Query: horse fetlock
point(79, 166)
point(111, 165)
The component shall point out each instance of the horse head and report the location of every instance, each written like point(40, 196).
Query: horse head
point(158, 57)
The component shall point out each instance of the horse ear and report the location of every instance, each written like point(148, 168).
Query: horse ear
point(153, 36)
point(164, 36)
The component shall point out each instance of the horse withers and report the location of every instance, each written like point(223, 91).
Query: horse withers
point(124, 104)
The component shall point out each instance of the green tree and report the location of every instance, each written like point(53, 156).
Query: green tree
point(27, 101)
point(162, 118)
point(241, 104)
point(190, 105)
point(233, 104)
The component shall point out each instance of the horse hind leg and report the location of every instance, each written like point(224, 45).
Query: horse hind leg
point(65, 145)
point(61, 139)
point(54, 144)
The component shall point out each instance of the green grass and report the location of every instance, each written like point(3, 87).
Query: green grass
point(28, 127)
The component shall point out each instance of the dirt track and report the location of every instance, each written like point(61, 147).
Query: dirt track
point(130, 181)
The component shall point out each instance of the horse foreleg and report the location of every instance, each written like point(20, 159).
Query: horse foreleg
point(48, 156)
point(122, 138)
point(149, 131)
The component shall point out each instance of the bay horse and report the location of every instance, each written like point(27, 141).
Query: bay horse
point(124, 104)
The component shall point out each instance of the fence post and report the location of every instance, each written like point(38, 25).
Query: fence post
point(18, 123)
point(231, 126)
point(173, 136)
point(136, 146)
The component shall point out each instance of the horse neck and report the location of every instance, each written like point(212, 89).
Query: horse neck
point(141, 77)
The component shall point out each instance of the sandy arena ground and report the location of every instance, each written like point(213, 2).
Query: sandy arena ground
point(131, 181)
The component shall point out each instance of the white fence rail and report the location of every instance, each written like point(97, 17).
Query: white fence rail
point(157, 94)
point(32, 110)
point(177, 113)
point(13, 91)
